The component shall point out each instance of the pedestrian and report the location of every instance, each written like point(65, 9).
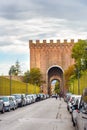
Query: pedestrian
point(60, 96)
point(56, 96)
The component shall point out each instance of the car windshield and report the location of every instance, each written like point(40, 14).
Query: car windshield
point(17, 96)
point(5, 99)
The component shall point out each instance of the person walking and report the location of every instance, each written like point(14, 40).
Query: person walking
point(56, 96)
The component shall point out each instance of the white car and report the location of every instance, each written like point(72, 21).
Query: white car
point(28, 99)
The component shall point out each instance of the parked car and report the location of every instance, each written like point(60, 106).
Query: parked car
point(38, 97)
point(67, 96)
point(15, 101)
point(28, 100)
point(21, 99)
point(54, 96)
point(73, 102)
point(2, 110)
point(75, 110)
point(70, 102)
point(81, 118)
point(8, 103)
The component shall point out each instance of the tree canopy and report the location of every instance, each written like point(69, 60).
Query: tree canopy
point(57, 87)
point(33, 77)
point(79, 53)
point(15, 69)
point(68, 74)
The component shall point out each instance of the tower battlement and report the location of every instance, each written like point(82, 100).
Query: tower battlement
point(51, 41)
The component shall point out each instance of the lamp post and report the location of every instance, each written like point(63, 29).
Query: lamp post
point(78, 77)
point(26, 88)
point(10, 82)
point(78, 81)
point(36, 83)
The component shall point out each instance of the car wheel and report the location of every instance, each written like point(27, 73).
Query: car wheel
point(73, 123)
point(9, 109)
point(3, 110)
point(14, 108)
point(76, 128)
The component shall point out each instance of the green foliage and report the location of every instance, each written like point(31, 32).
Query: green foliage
point(33, 77)
point(26, 77)
point(73, 87)
point(17, 87)
point(15, 69)
point(12, 70)
point(68, 74)
point(79, 53)
point(17, 66)
point(57, 87)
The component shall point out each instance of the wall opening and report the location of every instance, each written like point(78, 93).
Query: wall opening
point(55, 73)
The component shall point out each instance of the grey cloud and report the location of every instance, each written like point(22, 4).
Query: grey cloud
point(27, 9)
point(5, 43)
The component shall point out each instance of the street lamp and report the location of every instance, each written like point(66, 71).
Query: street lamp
point(78, 77)
point(36, 83)
point(10, 81)
point(78, 81)
point(26, 88)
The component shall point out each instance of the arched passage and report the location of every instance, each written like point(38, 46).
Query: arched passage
point(55, 73)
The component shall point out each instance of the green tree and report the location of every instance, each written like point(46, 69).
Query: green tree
point(17, 66)
point(33, 77)
point(79, 53)
point(57, 87)
point(26, 77)
point(68, 74)
point(15, 69)
point(12, 70)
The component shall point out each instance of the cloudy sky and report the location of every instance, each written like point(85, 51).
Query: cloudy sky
point(24, 20)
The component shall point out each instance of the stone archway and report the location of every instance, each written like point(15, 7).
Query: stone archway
point(55, 73)
point(56, 55)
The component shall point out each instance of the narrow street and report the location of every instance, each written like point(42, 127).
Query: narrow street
point(50, 114)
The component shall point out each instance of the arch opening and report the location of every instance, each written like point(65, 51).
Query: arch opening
point(55, 74)
point(55, 86)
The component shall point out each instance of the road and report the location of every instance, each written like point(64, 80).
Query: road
point(50, 114)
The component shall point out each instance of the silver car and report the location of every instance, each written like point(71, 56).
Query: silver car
point(75, 110)
point(8, 103)
point(2, 110)
point(81, 118)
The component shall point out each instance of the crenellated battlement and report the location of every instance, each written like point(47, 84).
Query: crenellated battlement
point(52, 41)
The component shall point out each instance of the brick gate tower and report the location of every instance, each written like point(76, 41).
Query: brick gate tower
point(52, 59)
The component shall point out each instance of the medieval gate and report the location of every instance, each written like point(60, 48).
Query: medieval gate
point(52, 59)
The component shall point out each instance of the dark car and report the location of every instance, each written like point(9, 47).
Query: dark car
point(2, 110)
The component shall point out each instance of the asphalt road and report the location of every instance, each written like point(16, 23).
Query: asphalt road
point(50, 114)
